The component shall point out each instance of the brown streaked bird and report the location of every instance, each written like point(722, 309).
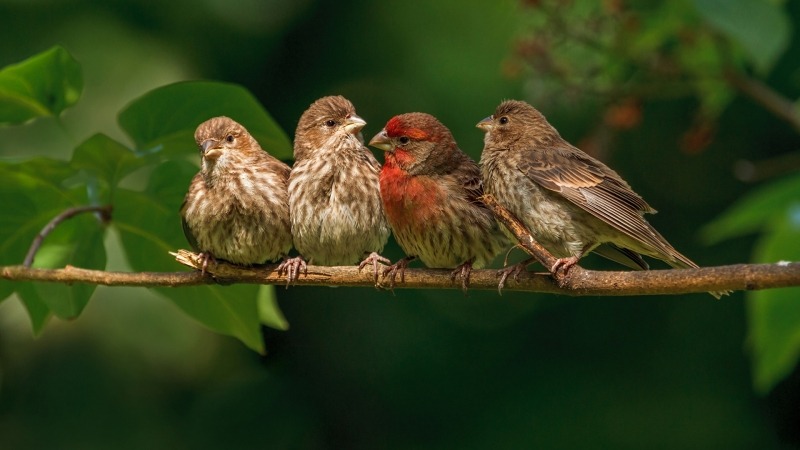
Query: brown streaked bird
point(334, 195)
point(571, 203)
point(237, 207)
point(431, 191)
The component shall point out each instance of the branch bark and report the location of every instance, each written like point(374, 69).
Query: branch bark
point(581, 282)
point(577, 282)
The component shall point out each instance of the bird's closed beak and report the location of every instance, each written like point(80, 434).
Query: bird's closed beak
point(381, 141)
point(486, 124)
point(210, 149)
point(353, 124)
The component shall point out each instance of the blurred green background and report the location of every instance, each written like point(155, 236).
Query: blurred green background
point(365, 369)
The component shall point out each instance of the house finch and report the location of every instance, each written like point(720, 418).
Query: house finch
point(571, 203)
point(430, 191)
point(334, 196)
point(236, 208)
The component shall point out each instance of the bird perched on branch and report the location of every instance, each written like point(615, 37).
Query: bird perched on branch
point(237, 207)
point(431, 191)
point(334, 195)
point(570, 202)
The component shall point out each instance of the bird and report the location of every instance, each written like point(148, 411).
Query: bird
point(571, 203)
point(431, 193)
point(334, 194)
point(236, 208)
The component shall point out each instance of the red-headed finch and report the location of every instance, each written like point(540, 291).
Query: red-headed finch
point(236, 208)
point(570, 202)
point(334, 196)
point(430, 191)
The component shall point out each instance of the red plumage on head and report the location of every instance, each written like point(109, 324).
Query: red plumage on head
point(398, 126)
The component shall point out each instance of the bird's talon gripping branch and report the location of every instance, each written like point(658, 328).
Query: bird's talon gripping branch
point(463, 271)
point(563, 265)
point(374, 259)
point(291, 267)
point(399, 266)
point(512, 272)
point(203, 259)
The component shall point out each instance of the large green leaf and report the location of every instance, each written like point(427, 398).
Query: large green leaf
point(35, 191)
point(38, 311)
point(106, 159)
point(164, 120)
point(774, 314)
point(149, 228)
point(754, 211)
point(42, 85)
point(78, 242)
point(761, 27)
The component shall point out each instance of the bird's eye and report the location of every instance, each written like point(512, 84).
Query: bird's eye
point(404, 140)
point(229, 138)
point(330, 123)
point(503, 120)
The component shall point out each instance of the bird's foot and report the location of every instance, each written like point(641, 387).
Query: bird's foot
point(463, 271)
point(512, 272)
point(399, 266)
point(564, 264)
point(204, 258)
point(292, 267)
point(374, 259)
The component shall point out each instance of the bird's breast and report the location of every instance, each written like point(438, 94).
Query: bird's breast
point(409, 200)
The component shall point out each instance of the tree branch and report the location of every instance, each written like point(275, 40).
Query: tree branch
point(581, 282)
point(577, 282)
point(764, 95)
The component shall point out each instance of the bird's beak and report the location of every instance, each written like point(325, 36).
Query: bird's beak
point(210, 149)
point(353, 124)
point(486, 124)
point(381, 141)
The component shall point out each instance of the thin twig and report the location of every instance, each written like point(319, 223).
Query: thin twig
point(105, 216)
point(764, 95)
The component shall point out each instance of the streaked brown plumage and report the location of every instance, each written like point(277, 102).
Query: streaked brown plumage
point(571, 203)
point(430, 191)
point(237, 207)
point(334, 196)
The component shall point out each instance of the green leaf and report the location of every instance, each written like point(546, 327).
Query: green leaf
point(269, 313)
point(774, 314)
point(79, 242)
point(42, 85)
point(106, 159)
point(754, 211)
point(36, 193)
point(761, 27)
point(164, 120)
point(149, 228)
point(38, 311)
point(230, 310)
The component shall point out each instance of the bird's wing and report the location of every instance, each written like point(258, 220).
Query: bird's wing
point(591, 185)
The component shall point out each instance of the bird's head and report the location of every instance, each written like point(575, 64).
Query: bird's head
point(222, 140)
point(416, 142)
point(327, 119)
point(514, 120)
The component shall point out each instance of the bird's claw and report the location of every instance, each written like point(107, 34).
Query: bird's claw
point(463, 271)
point(291, 267)
point(563, 264)
point(374, 259)
point(512, 272)
point(204, 258)
point(391, 271)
